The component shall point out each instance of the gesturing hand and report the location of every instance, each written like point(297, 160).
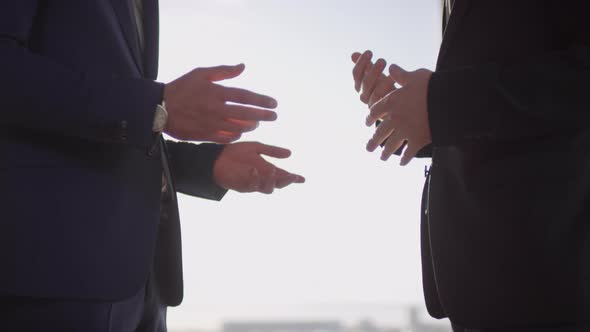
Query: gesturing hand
point(404, 113)
point(198, 108)
point(240, 167)
point(369, 79)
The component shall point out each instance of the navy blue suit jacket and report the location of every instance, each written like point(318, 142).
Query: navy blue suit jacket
point(80, 180)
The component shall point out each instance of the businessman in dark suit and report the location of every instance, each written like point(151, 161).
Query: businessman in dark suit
point(90, 233)
point(506, 206)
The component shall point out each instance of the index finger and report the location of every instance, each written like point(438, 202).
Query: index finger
point(360, 68)
point(273, 151)
point(246, 97)
point(285, 178)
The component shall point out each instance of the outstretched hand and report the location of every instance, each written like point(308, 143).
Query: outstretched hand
point(199, 109)
point(242, 168)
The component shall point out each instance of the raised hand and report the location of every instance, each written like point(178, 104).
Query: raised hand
point(242, 168)
point(404, 115)
point(369, 79)
point(201, 110)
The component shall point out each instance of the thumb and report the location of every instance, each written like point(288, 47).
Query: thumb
point(221, 73)
point(398, 74)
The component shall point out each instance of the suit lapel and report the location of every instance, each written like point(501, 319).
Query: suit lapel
point(151, 30)
point(457, 14)
point(124, 15)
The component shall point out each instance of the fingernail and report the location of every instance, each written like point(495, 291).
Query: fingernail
point(370, 146)
point(369, 121)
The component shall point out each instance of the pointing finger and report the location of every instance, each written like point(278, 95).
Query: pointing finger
point(273, 151)
point(285, 178)
point(359, 69)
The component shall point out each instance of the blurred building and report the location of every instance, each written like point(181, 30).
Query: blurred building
point(416, 322)
point(299, 326)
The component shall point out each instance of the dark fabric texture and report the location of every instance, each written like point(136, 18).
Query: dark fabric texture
point(142, 312)
point(81, 170)
point(506, 241)
point(188, 159)
point(549, 328)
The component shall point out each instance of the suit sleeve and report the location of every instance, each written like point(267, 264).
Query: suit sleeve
point(42, 95)
point(192, 169)
point(538, 96)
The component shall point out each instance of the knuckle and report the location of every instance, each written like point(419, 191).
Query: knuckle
point(364, 98)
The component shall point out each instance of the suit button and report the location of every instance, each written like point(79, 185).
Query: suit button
point(123, 131)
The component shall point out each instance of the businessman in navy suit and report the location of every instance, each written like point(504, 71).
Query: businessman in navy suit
point(90, 233)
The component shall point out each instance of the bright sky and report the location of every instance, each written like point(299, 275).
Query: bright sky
point(349, 237)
